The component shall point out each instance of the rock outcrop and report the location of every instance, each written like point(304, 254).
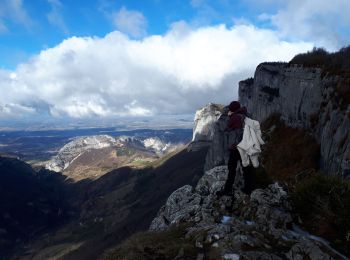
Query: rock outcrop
point(204, 125)
point(204, 122)
point(218, 152)
point(258, 226)
point(305, 97)
point(158, 146)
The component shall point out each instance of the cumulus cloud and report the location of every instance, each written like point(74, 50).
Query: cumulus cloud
point(324, 22)
point(55, 15)
point(130, 22)
point(176, 73)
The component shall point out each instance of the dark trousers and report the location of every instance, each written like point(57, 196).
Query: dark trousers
point(248, 174)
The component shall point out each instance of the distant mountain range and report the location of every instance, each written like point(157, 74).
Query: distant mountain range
point(40, 146)
point(92, 156)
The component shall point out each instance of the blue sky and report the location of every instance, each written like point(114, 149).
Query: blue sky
point(31, 30)
point(109, 58)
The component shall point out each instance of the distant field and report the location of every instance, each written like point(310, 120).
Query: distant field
point(41, 145)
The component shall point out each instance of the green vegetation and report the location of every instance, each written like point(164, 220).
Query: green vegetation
point(155, 245)
point(336, 62)
point(124, 151)
point(323, 203)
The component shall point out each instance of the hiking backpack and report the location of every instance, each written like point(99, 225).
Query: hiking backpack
point(234, 136)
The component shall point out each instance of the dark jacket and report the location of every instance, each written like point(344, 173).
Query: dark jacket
point(235, 125)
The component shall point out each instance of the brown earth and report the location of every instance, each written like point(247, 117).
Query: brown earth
point(95, 163)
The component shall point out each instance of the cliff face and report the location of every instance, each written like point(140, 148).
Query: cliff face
point(208, 131)
point(306, 98)
point(204, 122)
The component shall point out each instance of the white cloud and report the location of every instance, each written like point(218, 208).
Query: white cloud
point(55, 15)
point(170, 74)
point(15, 11)
point(324, 22)
point(130, 22)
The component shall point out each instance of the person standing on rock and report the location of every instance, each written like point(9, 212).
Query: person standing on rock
point(234, 130)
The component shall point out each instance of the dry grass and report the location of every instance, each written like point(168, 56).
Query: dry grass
point(288, 151)
point(321, 201)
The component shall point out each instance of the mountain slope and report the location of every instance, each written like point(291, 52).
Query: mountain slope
point(115, 206)
point(30, 202)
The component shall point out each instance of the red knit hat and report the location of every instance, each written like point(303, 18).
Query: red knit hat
point(234, 106)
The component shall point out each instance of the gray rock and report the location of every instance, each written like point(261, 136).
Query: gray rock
point(231, 257)
point(269, 210)
point(200, 257)
point(307, 249)
point(204, 126)
point(204, 122)
point(182, 205)
point(253, 255)
point(305, 98)
point(212, 180)
point(218, 152)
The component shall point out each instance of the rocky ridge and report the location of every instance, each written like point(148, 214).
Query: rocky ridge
point(69, 152)
point(258, 226)
point(78, 146)
point(305, 97)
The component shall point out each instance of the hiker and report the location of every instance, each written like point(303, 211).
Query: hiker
point(235, 128)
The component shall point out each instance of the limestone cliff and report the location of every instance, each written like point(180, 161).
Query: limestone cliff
point(205, 121)
point(305, 97)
